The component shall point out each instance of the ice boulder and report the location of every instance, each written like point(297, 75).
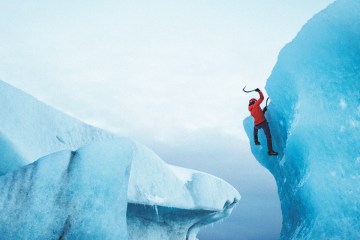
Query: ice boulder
point(63, 179)
point(314, 117)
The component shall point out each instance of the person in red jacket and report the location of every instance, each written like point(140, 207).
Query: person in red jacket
point(260, 122)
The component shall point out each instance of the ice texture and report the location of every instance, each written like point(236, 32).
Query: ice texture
point(69, 195)
point(63, 179)
point(314, 117)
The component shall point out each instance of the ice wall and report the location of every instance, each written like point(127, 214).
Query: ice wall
point(76, 194)
point(314, 117)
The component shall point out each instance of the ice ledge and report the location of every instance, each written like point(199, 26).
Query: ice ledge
point(153, 182)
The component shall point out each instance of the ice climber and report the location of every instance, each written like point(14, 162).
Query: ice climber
point(260, 122)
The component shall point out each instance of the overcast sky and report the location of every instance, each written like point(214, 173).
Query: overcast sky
point(163, 72)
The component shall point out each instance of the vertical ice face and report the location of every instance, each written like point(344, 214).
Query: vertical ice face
point(314, 117)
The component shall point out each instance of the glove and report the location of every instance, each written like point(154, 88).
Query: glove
point(265, 109)
point(258, 90)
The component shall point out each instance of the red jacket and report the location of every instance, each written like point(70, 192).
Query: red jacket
point(256, 111)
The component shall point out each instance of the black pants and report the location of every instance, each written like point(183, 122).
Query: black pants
point(265, 127)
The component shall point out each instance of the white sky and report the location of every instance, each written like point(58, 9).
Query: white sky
point(148, 68)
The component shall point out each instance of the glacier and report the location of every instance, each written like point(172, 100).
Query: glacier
point(63, 179)
point(314, 117)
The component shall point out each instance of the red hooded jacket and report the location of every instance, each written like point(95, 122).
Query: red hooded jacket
point(256, 111)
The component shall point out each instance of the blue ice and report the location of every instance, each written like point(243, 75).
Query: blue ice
point(314, 116)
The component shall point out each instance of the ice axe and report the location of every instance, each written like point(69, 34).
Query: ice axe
point(249, 91)
point(254, 90)
point(267, 102)
point(266, 106)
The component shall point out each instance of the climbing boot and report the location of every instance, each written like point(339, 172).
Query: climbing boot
point(272, 153)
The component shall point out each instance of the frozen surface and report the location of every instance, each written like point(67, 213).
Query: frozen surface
point(314, 117)
point(69, 195)
point(91, 192)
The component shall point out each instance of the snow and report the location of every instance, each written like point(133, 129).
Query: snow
point(183, 174)
point(61, 178)
point(314, 120)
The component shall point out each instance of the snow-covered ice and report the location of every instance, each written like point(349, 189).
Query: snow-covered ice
point(63, 179)
point(314, 120)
